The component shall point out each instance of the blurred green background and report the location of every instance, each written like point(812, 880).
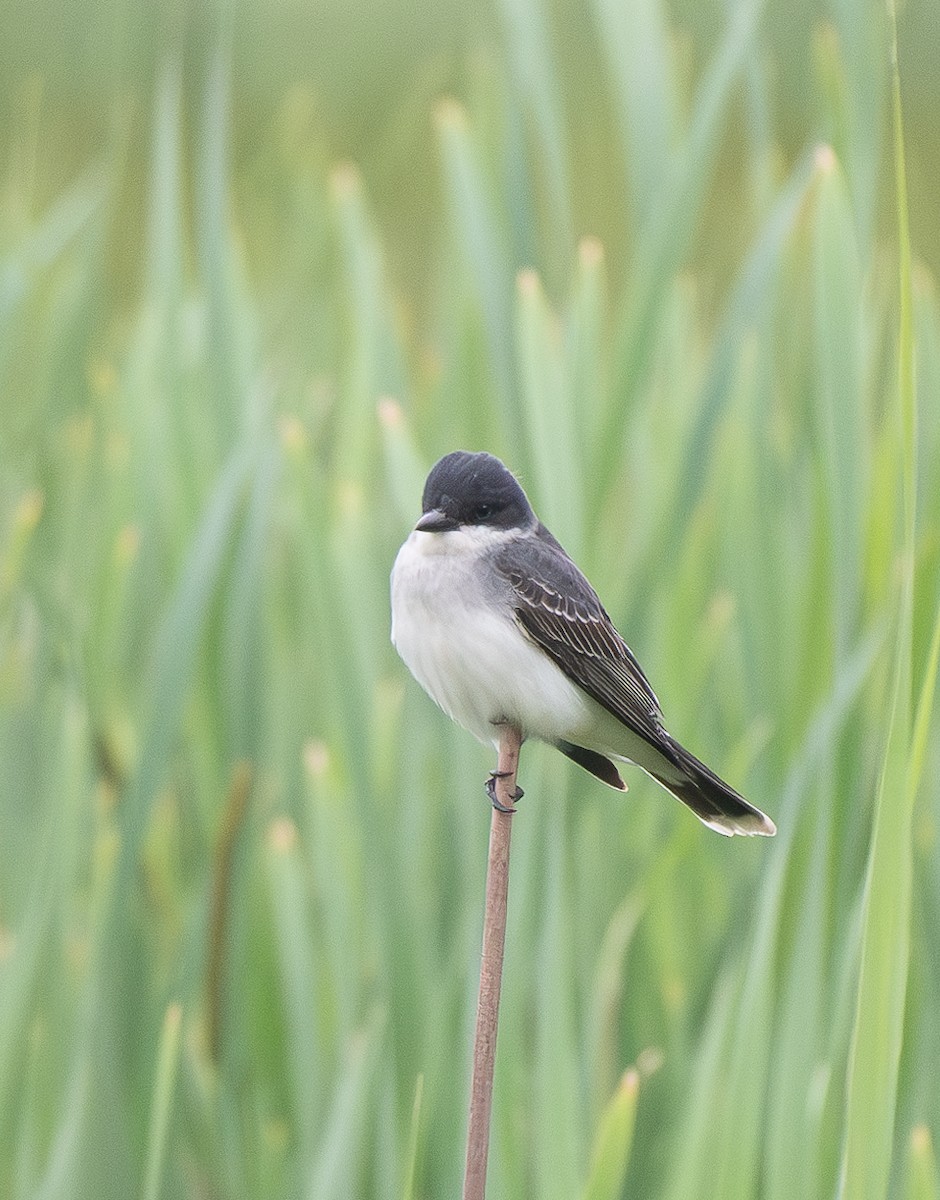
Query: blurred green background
point(260, 265)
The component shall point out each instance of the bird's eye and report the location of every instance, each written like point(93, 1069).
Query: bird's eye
point(483, 512)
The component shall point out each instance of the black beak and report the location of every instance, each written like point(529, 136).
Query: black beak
point(436, 521)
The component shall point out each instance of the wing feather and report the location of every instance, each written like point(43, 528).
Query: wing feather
point(558, 608)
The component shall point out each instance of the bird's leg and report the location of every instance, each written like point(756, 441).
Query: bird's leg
point(491, 791)
point(510, 741)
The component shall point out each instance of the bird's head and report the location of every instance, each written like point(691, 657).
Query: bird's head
point(465, 489)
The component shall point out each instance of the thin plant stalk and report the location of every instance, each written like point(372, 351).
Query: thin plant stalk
point(491, 968)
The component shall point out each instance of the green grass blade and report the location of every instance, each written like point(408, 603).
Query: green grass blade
point(924, 711)
point(882, 987)
point(242, 665)
point(231, 336)
point(550, 415)
point(586, 343)
point(611, 1154)
point(793, 1119)
point(690, 1167)
point(164, 1085)
point(751, 293)
point(164, 259)
point(64, 220)
point(374, 365)
point(405, 468)
point(677, 208)
point(635, 42)
point(31, 970)
point(607, 992)
point(175, 655)
point(737, 1150)
point(876, 1044)
point(338, 1167)
point(865, 86)
point(558, 1109)
point(411, 1156)
point(485, 252)
point(923, 1179)
point(728, 1111)
point(838, 346)
point(293, 925)
point(537, 79)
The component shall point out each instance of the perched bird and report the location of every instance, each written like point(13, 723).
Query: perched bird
point(499, 626)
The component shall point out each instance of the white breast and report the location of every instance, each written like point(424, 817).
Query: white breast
point(465, 648)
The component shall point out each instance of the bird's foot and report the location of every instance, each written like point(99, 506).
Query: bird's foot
point(491, 792)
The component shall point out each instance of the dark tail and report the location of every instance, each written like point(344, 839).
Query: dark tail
point(710, 798)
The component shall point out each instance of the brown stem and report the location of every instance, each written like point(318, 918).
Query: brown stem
point(491, 969)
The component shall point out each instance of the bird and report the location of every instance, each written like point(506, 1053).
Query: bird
point(500, 627)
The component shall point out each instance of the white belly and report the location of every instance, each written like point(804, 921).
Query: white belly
point(477, 664)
